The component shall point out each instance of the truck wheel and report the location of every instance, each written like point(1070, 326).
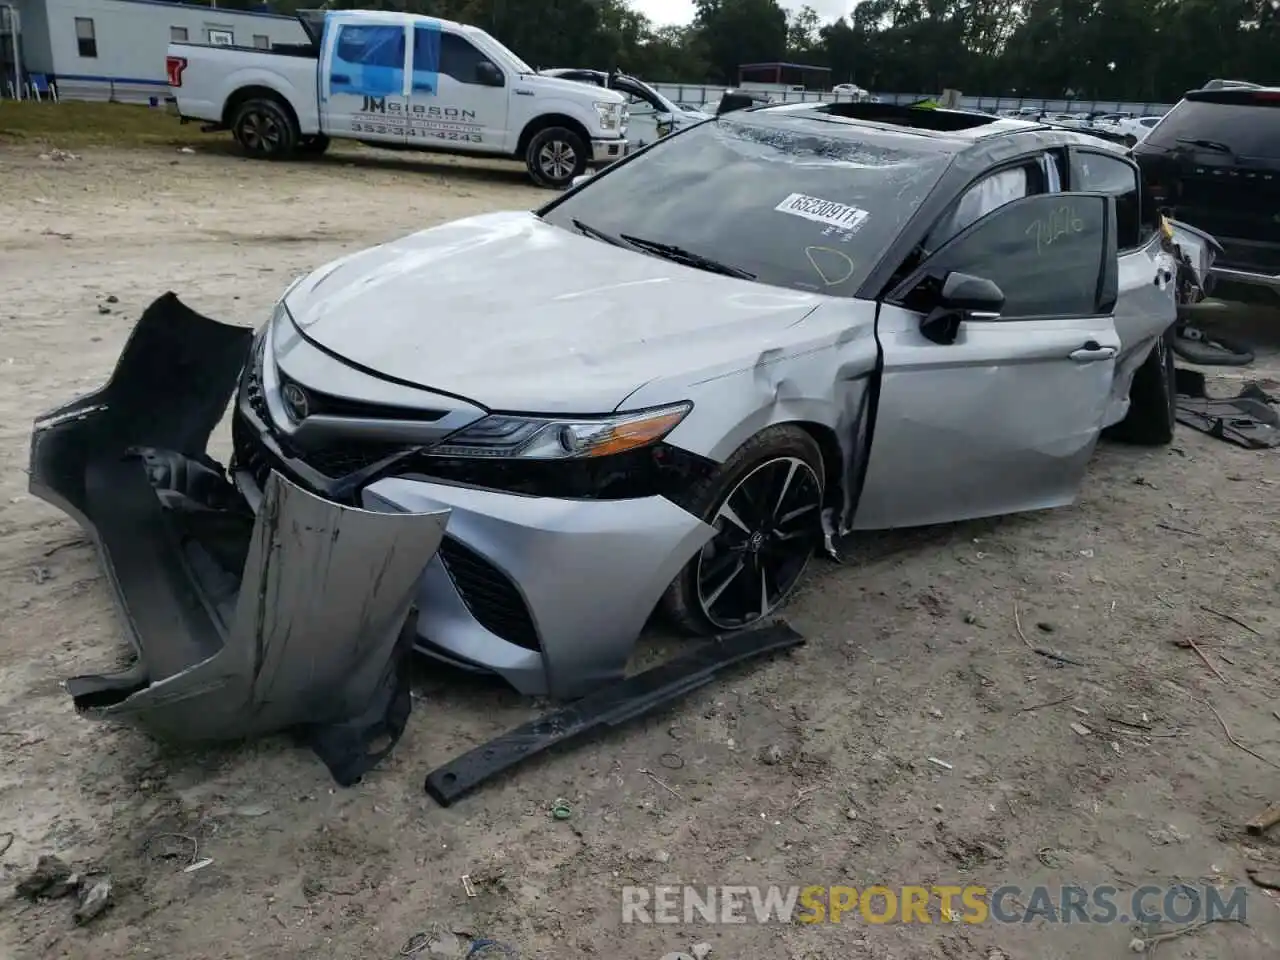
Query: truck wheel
point(1153, 400)
point(264, 130)
point(313, 146)
point(555, 156)
point(765, 502)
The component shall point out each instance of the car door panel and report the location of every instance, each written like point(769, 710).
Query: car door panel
point(1005, 417)
point(1146, 304)
point(1145, 308)
point(451, 108)
point(363, 81)
point(1002, 420)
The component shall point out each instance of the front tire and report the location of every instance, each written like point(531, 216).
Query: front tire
point(765, 502)
point(265, 130)
point(1153, 399)
point(555, 156)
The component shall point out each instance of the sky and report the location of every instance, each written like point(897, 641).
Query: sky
point(665, 12)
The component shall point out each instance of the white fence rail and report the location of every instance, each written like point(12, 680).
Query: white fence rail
point(689, 94)
point(699, 95)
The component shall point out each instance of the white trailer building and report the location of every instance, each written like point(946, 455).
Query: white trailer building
point(115, 49)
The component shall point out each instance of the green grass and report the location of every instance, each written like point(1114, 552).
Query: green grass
point(96, 124)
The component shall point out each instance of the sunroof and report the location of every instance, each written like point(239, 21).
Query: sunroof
point(906, 115)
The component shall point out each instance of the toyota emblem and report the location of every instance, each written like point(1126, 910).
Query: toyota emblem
point(295, 401)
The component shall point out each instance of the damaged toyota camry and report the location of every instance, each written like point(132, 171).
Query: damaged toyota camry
point(666, 389)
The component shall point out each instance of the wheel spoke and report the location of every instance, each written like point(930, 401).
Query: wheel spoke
point(792, 516)
point(724, 585)
point(786, 485)
point(720, 561)
point(726, 512)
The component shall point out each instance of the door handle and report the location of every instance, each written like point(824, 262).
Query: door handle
point(339, 78)
point(1092, 352)
point(1162, 277)
point(424, 87)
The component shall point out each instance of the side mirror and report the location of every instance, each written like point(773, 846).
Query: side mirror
point(739, 100)
point(972, 295)
point(489, 75)
point(579, 180)
point(963, 297)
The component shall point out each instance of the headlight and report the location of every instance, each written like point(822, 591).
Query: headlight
point(536, 438)
point(610, 115)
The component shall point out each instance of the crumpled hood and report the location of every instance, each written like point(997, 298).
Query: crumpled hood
point(574, 88)
point(515, 314)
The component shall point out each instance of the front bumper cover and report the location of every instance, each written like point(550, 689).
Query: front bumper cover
point(241, 624)
point(604, 152)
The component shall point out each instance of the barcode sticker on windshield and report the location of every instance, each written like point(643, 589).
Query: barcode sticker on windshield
point(842, 216)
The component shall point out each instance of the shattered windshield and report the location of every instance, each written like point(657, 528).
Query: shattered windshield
point(777, 197)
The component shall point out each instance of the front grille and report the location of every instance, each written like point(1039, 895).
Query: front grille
point(489, 594)
point(253, 387)
point(250, 453)
point(346, 458)
point(335, 462)
point(333, 406)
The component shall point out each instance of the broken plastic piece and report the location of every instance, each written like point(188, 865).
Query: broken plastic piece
point(607, 707)
point(242, 624)
point(1248, 420)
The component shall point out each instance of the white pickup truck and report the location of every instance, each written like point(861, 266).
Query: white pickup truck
point(401, 81)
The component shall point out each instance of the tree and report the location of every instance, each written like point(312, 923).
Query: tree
point(734, 32)
point(1145, 50)
point(804, 40)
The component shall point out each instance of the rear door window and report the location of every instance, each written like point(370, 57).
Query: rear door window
point(1247, 130)
point(1101, 173)
point(368, 59)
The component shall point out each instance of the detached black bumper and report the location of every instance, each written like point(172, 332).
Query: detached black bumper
point(242, 624)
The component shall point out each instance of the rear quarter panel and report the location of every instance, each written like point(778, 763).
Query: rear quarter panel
point(214, 74)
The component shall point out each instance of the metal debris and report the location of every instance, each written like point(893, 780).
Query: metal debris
point(96, 899)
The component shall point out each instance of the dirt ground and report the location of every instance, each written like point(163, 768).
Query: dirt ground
point(811, 769)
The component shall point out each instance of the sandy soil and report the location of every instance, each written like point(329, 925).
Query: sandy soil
point(811, 769)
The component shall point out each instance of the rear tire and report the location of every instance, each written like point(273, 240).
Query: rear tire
point(772, 486)
point(1153, 399)
point(265, 130)
point(555, 156)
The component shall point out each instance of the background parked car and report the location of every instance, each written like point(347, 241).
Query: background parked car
point(1214, 162)
point(651, 115)
point(1136, 129)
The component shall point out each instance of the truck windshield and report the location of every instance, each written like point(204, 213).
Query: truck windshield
point(777, 197)
point(516, 62)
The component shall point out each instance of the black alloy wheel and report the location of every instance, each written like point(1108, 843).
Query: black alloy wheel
point(767, 529)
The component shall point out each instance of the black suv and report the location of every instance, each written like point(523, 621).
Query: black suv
point(1214, 162)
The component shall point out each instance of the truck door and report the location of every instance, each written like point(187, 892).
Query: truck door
point(362, 83)
point(460, 96)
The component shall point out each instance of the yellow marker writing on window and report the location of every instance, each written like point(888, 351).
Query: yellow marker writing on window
point(831, 265)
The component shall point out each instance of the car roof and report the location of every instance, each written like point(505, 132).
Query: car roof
point(932, 129)
point(1233, 91)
